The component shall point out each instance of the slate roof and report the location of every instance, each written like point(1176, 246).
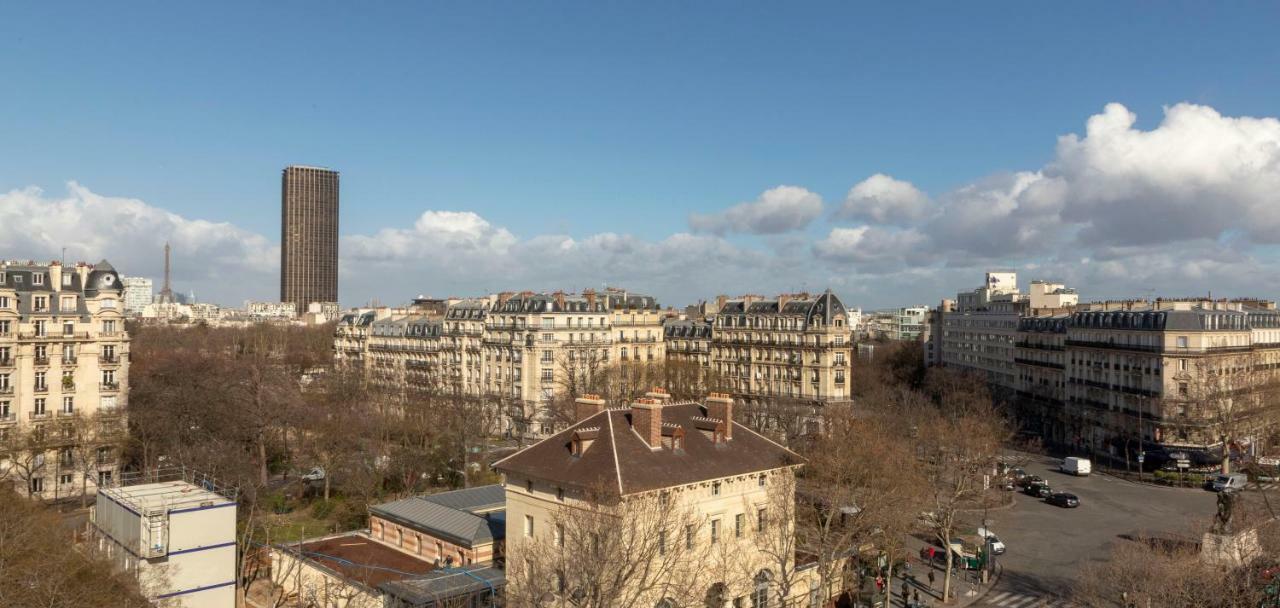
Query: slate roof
point(472, 500)
point(821, 308)
point(619, 459)
point(442, 521)
point(445, 584)
point(686, 329)
point(1195, 319)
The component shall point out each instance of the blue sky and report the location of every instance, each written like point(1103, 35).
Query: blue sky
point(591, 118)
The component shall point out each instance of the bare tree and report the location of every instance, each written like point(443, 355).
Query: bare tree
point(42, 567)
point(602, 551)
point(1232, 395)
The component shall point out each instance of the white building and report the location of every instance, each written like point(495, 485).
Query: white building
point(178, 537)
point(278, 311)
point(138, 293)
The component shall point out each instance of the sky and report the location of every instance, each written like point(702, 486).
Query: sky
point(890, 152)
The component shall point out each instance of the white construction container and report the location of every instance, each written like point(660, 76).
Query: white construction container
point(178, 537)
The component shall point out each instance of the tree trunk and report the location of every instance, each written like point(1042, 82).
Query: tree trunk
point(262, 459)
point(326, 483)
point(946, 573)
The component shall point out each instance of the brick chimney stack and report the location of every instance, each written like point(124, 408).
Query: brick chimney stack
point(587, 406)
point(720, 406)
point(659, 395)
point(646, 419)
point(591, 299)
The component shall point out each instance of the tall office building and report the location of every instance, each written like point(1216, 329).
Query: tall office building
point(308, 236)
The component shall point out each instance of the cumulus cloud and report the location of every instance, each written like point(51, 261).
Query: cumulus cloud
point(207, 256)
point(881, 199)
point(870, 246)
point(777, 210)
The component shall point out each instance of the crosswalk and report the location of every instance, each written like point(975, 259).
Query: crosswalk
point(1013, 599)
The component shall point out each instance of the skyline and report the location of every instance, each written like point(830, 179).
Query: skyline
point(721, 151)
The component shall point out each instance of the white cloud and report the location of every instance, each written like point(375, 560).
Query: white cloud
point(207, 256)
point(872, 249)
point(777, 210)
point(881, 199)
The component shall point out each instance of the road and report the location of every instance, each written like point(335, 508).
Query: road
point(1047, 546)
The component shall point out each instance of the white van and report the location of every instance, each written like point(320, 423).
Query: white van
point(1228, 483)
point(1076, 466)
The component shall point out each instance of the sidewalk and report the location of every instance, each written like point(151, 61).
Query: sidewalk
point(964, 590)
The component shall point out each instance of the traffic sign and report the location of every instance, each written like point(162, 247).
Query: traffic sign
point(1142, 458)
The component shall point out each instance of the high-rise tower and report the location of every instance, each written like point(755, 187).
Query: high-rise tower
point(308, 236)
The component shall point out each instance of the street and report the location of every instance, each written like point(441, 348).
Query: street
point(1048, 545)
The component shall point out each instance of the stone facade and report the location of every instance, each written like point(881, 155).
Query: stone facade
point(64, 370)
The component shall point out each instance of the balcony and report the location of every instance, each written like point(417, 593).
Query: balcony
point(40, 415)
point(67, 413)
point(41, 388)
point(7, 362)
point(108, 360)
point(41, 361)
point(8, 418)
point(109, 386)
point(6, 390)
point(69, 361)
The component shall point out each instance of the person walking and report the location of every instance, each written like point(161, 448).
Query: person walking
point(932, 578)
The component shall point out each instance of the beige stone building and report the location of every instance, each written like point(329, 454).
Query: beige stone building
point(793, 346)
point(685, 491)
point(1119, 377)
point(518, 349)
point(64, 369)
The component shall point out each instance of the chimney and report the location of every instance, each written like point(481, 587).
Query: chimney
point(782, 301)
point(55, 275)
point(720, 406)
point(591, 299)
point(587, 406)
point(720, 300)
point(503, 297)
point(646, 419)
point(559, 299)
point(659, 394)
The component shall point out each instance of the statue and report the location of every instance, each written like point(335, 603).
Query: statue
point(1226, 510)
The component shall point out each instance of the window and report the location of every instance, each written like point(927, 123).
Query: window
point(739, 523)
point(528, 486)
point(68, 405)
point(1182, 341)
point(104, 455)
point(4, 410)
point(68, 328)
point(662, 542)
point(37, 279)
point(66, 279)
point(4, 301)
point(40, 303)
point(40, 381)
point(560, 494)
point(108, 327)
point(528, 526)
point(715, 531)
point(104, 478)
point(547, 357)
point(548, 375)
point(715, 489)
point(109, 378)
point(37, 485)
point(40, 328)
point(1182, 365)
point(1182, 389)
point(39, 406)
point(67, 304)
point(760, 520)
point(4, 328)
point(688, 537)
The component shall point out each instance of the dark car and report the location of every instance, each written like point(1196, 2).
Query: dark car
point(1039, 490)
point(1063, 499)
point(1031, 480)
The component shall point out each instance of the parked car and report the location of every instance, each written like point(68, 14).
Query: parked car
point(1232, 482)
point(1039, 490)
point(316, 474)
point(1076, 466)
point(1017, 474)
point(997, 547)
point(1063, 499)
point(1030, 480)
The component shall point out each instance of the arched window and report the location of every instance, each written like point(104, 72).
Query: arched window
point(760, 595)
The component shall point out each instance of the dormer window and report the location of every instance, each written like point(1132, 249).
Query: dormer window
point(37, 279)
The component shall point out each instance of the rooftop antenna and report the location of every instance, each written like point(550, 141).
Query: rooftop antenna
point(63, 261)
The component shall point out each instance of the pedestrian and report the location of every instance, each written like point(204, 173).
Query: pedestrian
point(905, 596)
point(879, 584)
point(932, 577)
point(915, 596)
